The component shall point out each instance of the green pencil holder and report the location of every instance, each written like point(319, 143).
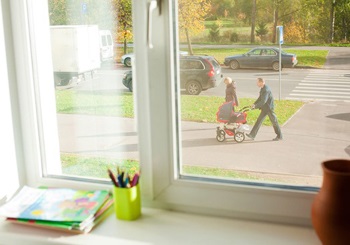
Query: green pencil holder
point(127, 202)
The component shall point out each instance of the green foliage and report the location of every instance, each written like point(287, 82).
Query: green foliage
point(214, 33)
point(70, 12)
point(262, 30)
point(124, 25)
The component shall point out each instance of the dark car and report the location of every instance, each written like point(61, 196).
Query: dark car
point(261, 57)
point(127, 80)
point(197, 73)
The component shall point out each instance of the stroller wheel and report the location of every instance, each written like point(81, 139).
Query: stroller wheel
point(239, 137)
point(220, 135)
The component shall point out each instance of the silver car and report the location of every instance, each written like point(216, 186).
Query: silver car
point(126, 59)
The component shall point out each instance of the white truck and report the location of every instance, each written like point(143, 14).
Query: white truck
point(76, 52)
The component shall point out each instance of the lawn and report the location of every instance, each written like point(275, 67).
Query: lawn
point(193, 108)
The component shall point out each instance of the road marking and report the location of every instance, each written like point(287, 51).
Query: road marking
point(320, 92)
point(336, 89)
point(323, 85)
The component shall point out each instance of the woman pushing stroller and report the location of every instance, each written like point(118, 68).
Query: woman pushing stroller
point(230, 92)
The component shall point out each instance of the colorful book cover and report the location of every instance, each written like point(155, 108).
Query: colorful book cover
point(77, 227)
point(54, 204)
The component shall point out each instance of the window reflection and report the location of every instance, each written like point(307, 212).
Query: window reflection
point(95, 111)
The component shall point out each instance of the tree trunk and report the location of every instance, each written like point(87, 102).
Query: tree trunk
point(252, 31)
point(275, 23)
point(189, 42)
point(332, 20)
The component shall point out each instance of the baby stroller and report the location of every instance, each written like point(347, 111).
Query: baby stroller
point(231, 123)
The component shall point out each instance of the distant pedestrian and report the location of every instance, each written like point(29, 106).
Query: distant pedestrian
point(265, 103)
point(230, 92)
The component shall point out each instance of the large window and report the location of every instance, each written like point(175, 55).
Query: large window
point(85, 121)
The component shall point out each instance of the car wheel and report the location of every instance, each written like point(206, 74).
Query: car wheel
point(61, 80)
point(193, 88)
point(234, 65)
point(220, 135)
point(276, 66)
point(127, 62)
point(130, 87)
point(239, 137)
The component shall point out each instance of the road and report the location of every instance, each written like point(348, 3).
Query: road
point(295, 84)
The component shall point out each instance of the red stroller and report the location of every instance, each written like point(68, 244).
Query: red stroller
point(231, 123)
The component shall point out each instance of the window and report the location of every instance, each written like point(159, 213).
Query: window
point(158, 107)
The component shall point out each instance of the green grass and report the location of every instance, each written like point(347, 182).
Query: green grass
point(95, 167)
point(217, 172)
point(193, 108)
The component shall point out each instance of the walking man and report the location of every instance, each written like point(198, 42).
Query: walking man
point(266, 104)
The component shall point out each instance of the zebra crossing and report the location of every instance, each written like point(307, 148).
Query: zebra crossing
point(328, 85)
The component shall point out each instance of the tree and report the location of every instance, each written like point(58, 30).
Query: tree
point(342, 21)
point(252, 36)
point(293, 33)
point(87, 12)
point(191, 18)
point(261, 30)
point(124, 21)
point(214, 32)
point(332, 20)
point(222, 8)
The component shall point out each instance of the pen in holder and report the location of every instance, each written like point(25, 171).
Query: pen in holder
point(126, 195)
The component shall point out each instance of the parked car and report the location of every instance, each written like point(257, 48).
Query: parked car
point(197, 73)
point(127, 80)
point(262, 57)
point(127, 58)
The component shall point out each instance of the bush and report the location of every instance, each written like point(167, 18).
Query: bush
point(214, 32)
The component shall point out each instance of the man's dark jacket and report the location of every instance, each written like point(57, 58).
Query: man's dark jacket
point(265, 100)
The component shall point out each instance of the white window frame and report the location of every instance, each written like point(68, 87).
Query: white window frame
point(156, 119)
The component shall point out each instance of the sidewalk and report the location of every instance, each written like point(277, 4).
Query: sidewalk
point(310, 137)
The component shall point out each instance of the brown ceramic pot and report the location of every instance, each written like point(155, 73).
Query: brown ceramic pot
point(331, 207)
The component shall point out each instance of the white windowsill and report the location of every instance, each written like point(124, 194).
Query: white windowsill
point(160, 227)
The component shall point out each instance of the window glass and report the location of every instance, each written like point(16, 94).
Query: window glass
point(95, 112)
point(95, 108)
point(306, 101)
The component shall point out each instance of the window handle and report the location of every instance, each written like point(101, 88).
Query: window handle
point(153, 4)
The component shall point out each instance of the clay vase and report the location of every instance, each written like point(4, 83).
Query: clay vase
point(331, 207)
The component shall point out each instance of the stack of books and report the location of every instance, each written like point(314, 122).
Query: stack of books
point(59, 208)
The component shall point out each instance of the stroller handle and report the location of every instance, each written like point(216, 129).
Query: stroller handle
point(245, 108)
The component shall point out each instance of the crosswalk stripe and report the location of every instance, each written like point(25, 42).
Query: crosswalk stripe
point(320, 92)
point(323, 85)
point(317, 95)
point(327, 79)
point(319, 88)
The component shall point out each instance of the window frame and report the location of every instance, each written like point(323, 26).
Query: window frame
point(161, 184)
